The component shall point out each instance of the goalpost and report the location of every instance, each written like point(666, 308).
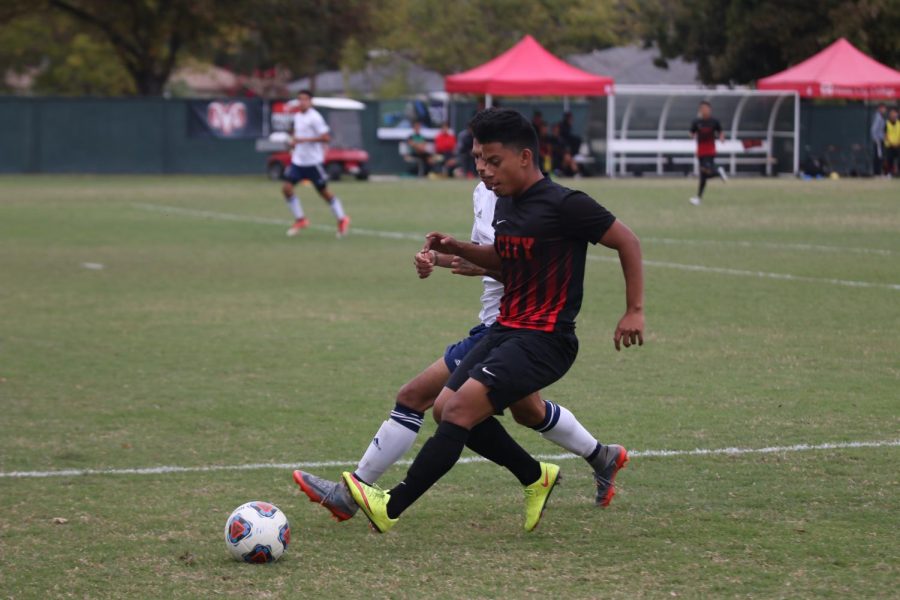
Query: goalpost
point(647, 129)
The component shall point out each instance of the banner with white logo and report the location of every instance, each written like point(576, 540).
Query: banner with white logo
point(230, 119)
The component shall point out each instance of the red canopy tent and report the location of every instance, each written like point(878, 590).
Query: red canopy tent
point(838, 71)
point(527, 69)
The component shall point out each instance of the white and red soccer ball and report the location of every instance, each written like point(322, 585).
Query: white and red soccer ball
point(257, 532)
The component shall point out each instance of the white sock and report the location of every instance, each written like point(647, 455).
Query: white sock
point(562, 428)
point(294, 203)
point(337, 208)
point(392, 441)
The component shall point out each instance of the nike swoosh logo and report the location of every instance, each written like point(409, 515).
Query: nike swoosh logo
point(503, 221)
point(546, 479)
point(488, 372)
point(362, 493)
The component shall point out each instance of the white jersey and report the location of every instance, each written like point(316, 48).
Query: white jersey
point(484, 201)
point(309, 124)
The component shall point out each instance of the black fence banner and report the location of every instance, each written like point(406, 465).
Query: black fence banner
point(228, 119)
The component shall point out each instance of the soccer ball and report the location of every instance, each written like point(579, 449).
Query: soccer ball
point(257, 532)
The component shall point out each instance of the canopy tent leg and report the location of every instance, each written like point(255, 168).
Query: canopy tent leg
point(488, 100)
point(773, 116)
point(626, 118)
point(735, 121)
point(661, 130)
point(610, 135)
point(796, 133)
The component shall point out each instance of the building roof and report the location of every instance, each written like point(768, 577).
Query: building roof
point(370, 82)
point(635, 65)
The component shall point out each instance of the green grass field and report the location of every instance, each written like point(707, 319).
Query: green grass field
point(209, 338)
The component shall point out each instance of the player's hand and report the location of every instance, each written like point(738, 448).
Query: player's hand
point(443, 243)
point(460, 266)
point(424, 261)
point(630, 330)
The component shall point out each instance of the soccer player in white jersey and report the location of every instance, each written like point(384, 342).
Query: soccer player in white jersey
point(309, 136)
point(397, 434)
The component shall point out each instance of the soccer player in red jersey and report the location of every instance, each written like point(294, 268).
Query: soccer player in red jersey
point(541, 234)
point(706, 130)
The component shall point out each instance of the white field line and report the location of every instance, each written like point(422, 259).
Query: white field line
point(417, 237)
point(164, 470)
point(220, 216)
point(758, 274)
point(772, 245)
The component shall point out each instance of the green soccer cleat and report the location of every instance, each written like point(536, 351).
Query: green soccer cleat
point(537, 494)
point(373, 502)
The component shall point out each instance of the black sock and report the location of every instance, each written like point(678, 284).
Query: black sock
point(703, 178)
point(593, 455)
point(492, 441)
point(436, 457)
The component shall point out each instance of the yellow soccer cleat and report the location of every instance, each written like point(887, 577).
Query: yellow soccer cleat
point(537, 494)
point(372, 500)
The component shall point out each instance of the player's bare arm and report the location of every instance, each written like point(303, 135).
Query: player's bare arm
point(482, 255)
point(461, 266)
point(630, 329)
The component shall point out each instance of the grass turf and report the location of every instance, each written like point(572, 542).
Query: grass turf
point(212, 339)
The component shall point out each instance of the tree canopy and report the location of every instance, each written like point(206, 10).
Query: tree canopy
point(121, 47)
point(742, 41)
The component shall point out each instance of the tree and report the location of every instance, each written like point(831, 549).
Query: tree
point(452, 36)
point(58, 58)
point(306, 36)
point(147, 35)
point(739, 41)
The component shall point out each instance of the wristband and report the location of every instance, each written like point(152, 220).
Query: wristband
point(434, 258)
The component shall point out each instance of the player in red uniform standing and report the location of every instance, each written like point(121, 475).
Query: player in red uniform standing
point(705, 129)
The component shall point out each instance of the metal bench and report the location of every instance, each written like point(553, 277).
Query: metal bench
point(662, 152)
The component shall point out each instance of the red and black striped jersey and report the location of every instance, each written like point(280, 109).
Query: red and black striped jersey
point(707, 131)
point(541, 237)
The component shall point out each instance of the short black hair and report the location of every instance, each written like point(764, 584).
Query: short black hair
point(705, 103)
point(305, 92)
point(505, 126)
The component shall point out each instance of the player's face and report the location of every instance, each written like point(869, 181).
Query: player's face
point(304, 102)
point(705, 111)
point(504, 168)
point(479, 164)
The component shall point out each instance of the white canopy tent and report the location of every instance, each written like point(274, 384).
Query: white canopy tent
point(649, 125)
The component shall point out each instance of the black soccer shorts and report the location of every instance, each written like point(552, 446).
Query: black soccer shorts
point(707, 164)
point(514, 363)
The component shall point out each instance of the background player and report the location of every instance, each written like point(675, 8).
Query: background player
point(398, 433)
point(705, 129)
point(542, 231)
point(309, 135)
